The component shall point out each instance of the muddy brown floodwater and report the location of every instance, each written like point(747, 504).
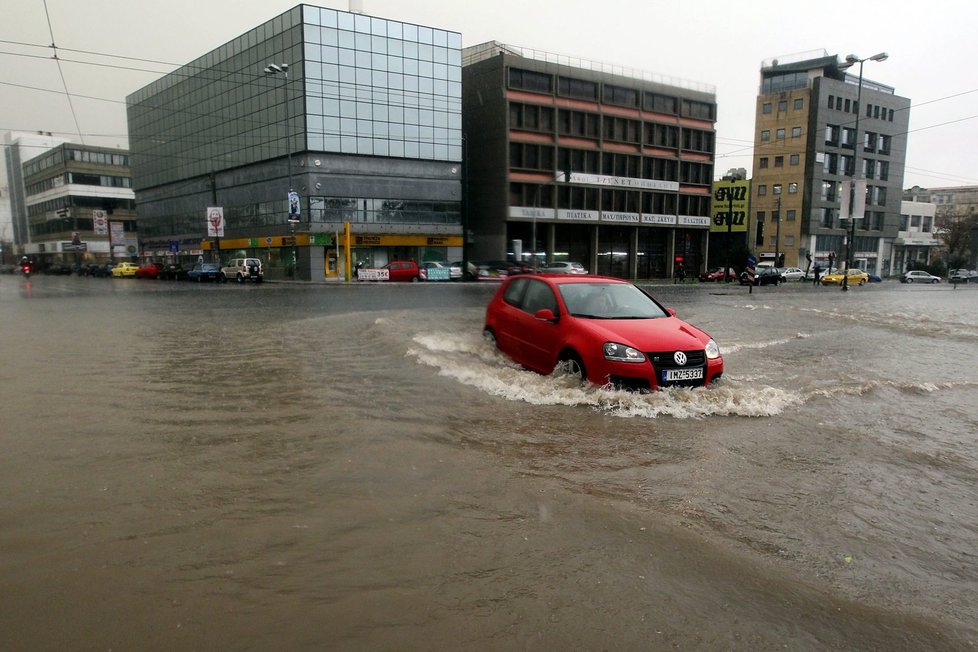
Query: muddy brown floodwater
point(299, 467)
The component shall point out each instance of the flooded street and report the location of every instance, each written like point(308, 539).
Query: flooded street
point(309, 467)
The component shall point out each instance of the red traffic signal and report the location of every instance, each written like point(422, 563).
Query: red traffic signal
point(679, 259)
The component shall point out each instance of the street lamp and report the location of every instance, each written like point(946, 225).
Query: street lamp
point(293, 198)
point(851, 60)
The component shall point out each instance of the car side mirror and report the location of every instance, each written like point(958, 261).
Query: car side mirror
point(545, 314)
point(671, 311)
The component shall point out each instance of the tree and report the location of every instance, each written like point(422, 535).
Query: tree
point(957, 233)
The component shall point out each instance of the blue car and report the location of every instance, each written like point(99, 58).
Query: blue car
point(206, 272)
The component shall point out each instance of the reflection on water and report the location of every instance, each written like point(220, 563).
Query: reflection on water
point(301, 467)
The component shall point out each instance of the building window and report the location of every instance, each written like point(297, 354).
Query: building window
point(765, 136)
point(777, 188)
point(792, 188)
point(792, 215)
point(799, 104)
point(701, 110)
point(578, 88)
point(832, 135)
point(779, 161)
point(796, 132)
point(925, 227)
point(762, 190)
point(763, 162)
point(848, 106)
point(661, 103)
point(782, 106)
point(904, 219)
point(529, 80)
point(620, 95)
point(766, 107)
point(779, 134)
point(831, 101)
point(794, 159)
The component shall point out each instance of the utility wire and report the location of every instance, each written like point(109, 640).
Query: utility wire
point(61, 72)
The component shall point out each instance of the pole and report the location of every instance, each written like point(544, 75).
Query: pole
point(730, 195)
point(777, 236)
point(850, 245)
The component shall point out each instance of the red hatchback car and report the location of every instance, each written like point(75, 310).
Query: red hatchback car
point(604, 330)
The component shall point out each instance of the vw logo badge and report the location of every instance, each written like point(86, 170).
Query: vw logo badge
point(680, 358)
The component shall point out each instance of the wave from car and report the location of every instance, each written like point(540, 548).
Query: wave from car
point(600, 329)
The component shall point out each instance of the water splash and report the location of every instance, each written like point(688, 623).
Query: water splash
point(472, 361)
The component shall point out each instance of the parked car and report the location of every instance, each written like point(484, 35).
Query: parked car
point(244, 269)
point(962, 276)
point(497, 270)
point(763, 276)
point(855, 277)
point(919, 276)
point(433, 270)
point(125, 270)
point(206, 272)
point(716, 275)
point(149, 270)
point(403, 270)
point(456, 270)
point(58, 269)
point(173, 272)
point(793, 274)
point(564, 267)
point(604, 330)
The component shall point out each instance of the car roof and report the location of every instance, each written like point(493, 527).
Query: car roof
point(562, 279)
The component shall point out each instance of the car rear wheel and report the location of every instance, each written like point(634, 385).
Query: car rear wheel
point(239, 278)
point(909, 280)
point(573, 365)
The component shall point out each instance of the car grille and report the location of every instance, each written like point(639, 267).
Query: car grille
point(662, 360)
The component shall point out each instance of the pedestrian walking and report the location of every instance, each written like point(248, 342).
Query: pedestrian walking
point(817, 271)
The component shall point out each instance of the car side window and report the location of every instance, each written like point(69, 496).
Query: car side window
point(514, 293)
point(538, 297)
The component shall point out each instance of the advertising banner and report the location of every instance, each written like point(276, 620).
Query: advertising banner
point(724, 209)
point(215, 222)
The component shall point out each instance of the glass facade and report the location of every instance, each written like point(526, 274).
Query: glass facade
point(355, 84)
point(380, 87)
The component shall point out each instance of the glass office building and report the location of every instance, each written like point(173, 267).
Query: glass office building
point(361, 116)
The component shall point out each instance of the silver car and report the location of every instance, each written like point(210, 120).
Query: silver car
point(564, 268)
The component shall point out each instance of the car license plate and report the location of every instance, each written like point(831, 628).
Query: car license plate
point(693, 373)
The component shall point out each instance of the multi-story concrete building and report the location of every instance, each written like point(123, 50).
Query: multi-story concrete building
point(360, 116)
point(806, 146)
point(639, 150)
point(953, 206)
point(915, 242)
point(19, 147)
point(78, 199)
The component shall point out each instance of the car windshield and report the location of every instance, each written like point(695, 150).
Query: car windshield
point(609, 301)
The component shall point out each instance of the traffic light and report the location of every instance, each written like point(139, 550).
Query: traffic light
point(781, 260)
point(679, 259)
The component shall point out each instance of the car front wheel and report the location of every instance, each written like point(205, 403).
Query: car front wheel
point(490, 338)
point(909, 280)
point(573, 365)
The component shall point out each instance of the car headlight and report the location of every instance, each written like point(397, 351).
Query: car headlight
point(622, 353)
point(712, 350)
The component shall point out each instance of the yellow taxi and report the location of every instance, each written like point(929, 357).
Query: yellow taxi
point(856, 277)
point(124, 269)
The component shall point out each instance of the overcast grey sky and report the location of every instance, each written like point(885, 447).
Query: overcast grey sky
point(932, 49)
